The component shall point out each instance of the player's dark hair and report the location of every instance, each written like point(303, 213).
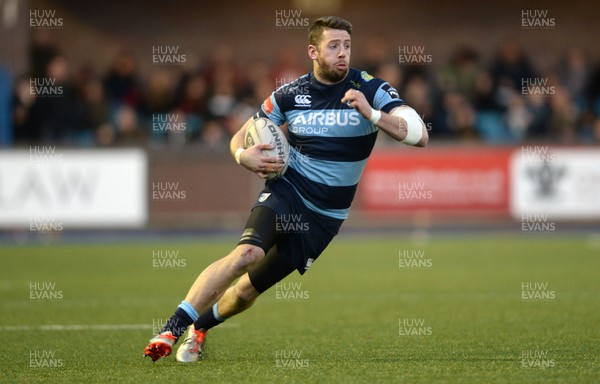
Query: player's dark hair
point(315, 31)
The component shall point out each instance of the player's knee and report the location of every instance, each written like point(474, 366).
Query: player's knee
point(245, 256)
point(246, 293)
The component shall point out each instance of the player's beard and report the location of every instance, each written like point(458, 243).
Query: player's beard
point(330, 73)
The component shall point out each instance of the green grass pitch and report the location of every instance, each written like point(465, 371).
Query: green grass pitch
point(360, 314)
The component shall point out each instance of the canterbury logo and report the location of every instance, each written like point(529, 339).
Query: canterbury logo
point(302, 100)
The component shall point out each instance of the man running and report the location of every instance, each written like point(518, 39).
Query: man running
point(332, 116)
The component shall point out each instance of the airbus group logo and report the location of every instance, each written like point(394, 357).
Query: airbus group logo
point(302, 100)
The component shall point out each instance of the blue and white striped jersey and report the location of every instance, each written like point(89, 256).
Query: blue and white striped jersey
point(330, 141)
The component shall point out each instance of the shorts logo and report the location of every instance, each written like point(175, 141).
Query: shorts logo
point(302, 100)
point(309, 263)
point(263, 197)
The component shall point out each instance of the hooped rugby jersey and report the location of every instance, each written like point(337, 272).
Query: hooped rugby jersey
point(330, 142)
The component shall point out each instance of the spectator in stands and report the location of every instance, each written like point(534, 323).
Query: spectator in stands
point(24, 130)
point(490, 121)
point(221, 104)
point(158, 95)
point(464, 99)
point(562, 122)
point(223, 98)
point(483, 93)
point(420, 94)
point(56, 112)
point(286, 67)
point(391, 72)
point(157, 101)
point(517, 117)
point(262, 83)
point(129, 131)
point(596, 130)
point(43, 50)
point(574, 71)
point(121, 82)
point(461, 73)
point(539, 115)
point(95, 113)
point(508, 69)
point(593, 91)
point(193, 103)
point(214, 136)
point(222, 68)
point(459, 115)
point(376, 53)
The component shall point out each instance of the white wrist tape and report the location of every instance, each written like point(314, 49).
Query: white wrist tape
point(375, 116)
point(414, 125)
point(238, 154)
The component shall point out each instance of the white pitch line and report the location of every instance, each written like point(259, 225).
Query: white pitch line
point(86, 327)
point(76, 327)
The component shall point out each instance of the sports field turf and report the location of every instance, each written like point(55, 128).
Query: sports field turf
point(359, 314)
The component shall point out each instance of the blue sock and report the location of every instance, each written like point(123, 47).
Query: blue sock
point(181, 319)
point(209, 319)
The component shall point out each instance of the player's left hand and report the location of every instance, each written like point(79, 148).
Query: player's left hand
point(356, 99)
point(254, 160)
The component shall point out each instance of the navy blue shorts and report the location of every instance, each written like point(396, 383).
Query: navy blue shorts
point(299, 234)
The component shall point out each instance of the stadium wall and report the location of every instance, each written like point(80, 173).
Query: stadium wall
point(401, 187)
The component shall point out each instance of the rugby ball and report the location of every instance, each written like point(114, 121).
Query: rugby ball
point(265, 131)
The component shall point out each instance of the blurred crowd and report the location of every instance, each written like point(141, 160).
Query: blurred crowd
point(466, 98)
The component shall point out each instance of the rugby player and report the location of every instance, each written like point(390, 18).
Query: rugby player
point(332, 116)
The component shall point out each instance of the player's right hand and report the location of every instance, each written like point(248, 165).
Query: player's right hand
point(254, 160)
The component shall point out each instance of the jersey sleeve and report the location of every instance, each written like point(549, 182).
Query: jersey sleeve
point(386, 98)
point(271, 110)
